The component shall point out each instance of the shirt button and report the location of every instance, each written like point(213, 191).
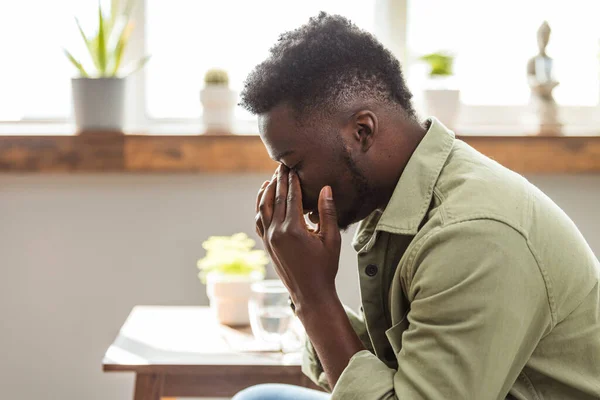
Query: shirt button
point(371, 270)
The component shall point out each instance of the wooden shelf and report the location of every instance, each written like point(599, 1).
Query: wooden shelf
point(111, 152)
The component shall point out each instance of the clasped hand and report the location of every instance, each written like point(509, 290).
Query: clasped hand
point(305, 259)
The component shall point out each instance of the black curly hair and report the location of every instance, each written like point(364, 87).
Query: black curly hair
point(323, 64)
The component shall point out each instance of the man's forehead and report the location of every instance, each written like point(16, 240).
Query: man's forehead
point(279, 132)
point(280, 117)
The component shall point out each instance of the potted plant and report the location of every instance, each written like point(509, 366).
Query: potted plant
point(441, 99)
point(218, 102)
point(99, 90)
point(229, 268)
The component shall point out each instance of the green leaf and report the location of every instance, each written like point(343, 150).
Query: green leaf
point(440, 63)
point(110, 22)
point(76, 63)
point(120, 48)
point(112, 40)
point(231, 255)
point(102, 59)
point(115, 6)
point(83, 35)
point(136, 66)
point(89, 43)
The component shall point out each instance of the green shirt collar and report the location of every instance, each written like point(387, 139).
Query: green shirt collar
point(413, 193)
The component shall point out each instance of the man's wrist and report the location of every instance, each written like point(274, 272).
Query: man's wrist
point(331, 333)
point(322, 305)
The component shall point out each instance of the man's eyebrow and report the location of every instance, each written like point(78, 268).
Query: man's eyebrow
point(279, 156)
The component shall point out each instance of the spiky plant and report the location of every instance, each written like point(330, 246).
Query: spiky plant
point(106, 46)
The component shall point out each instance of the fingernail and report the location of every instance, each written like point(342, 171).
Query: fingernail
point(328, 193)
point(264, 185)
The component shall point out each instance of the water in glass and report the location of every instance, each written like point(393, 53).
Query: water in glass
point(270, 314)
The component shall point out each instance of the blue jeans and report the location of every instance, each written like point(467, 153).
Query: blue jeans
point(276, 391)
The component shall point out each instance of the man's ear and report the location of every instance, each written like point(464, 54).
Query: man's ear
point(365, 128)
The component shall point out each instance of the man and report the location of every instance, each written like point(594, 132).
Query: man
point(474, 284)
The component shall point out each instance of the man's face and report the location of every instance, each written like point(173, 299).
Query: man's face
point(318, 154)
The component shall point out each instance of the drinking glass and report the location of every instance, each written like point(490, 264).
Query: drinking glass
point(270, 314)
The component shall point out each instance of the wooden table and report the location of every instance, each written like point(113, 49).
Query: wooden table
point(184, 352)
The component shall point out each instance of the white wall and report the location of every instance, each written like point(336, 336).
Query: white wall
point(77, 252)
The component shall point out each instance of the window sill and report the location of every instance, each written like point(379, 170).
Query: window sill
point(176, 150)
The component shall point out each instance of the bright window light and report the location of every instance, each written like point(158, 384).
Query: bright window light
point(187, 37)
point(34, 72)
point(493, 40)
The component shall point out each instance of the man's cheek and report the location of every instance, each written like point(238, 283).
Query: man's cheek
point(310, 192)
point(308, 202)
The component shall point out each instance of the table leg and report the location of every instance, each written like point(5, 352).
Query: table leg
point(148, 387)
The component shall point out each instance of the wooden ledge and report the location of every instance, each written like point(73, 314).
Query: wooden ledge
point(246, 154)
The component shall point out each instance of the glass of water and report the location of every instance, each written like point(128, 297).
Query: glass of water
point(270, 314)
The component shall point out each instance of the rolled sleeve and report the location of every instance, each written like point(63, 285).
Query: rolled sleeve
point(365, 377)
point(479, 306)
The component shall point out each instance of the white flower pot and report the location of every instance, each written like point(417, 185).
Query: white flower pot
point(99, 103)
point(219, 104)
point(229, 296)
point(444, 104)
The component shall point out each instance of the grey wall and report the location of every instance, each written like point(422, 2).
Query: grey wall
point(78, 252)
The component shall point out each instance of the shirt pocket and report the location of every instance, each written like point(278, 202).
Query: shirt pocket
point(394, 334)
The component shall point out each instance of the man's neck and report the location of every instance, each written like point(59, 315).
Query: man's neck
point(406, 141)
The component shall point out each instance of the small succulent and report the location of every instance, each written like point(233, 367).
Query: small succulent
point(216, 76)
point(231, 255)
point(440, 63)
point(106, 46)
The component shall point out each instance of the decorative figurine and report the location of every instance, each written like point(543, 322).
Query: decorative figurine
point(542, 83)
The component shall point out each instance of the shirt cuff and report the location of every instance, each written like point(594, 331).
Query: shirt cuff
point(367, 378)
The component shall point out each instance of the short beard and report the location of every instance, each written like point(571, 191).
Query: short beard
point(364, 192)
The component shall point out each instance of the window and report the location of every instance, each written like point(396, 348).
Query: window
point(492, 42)
point(34, 73)
point(187, 37)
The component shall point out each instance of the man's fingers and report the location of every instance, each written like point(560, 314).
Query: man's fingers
point(260, 193)
point(328, 225)
point(265, 207)
point(257, 220)
point(281, 193)
point(263, 187)
point(260, 231)
point(294, 199)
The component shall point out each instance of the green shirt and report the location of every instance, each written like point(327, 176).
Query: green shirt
point(474, 285)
